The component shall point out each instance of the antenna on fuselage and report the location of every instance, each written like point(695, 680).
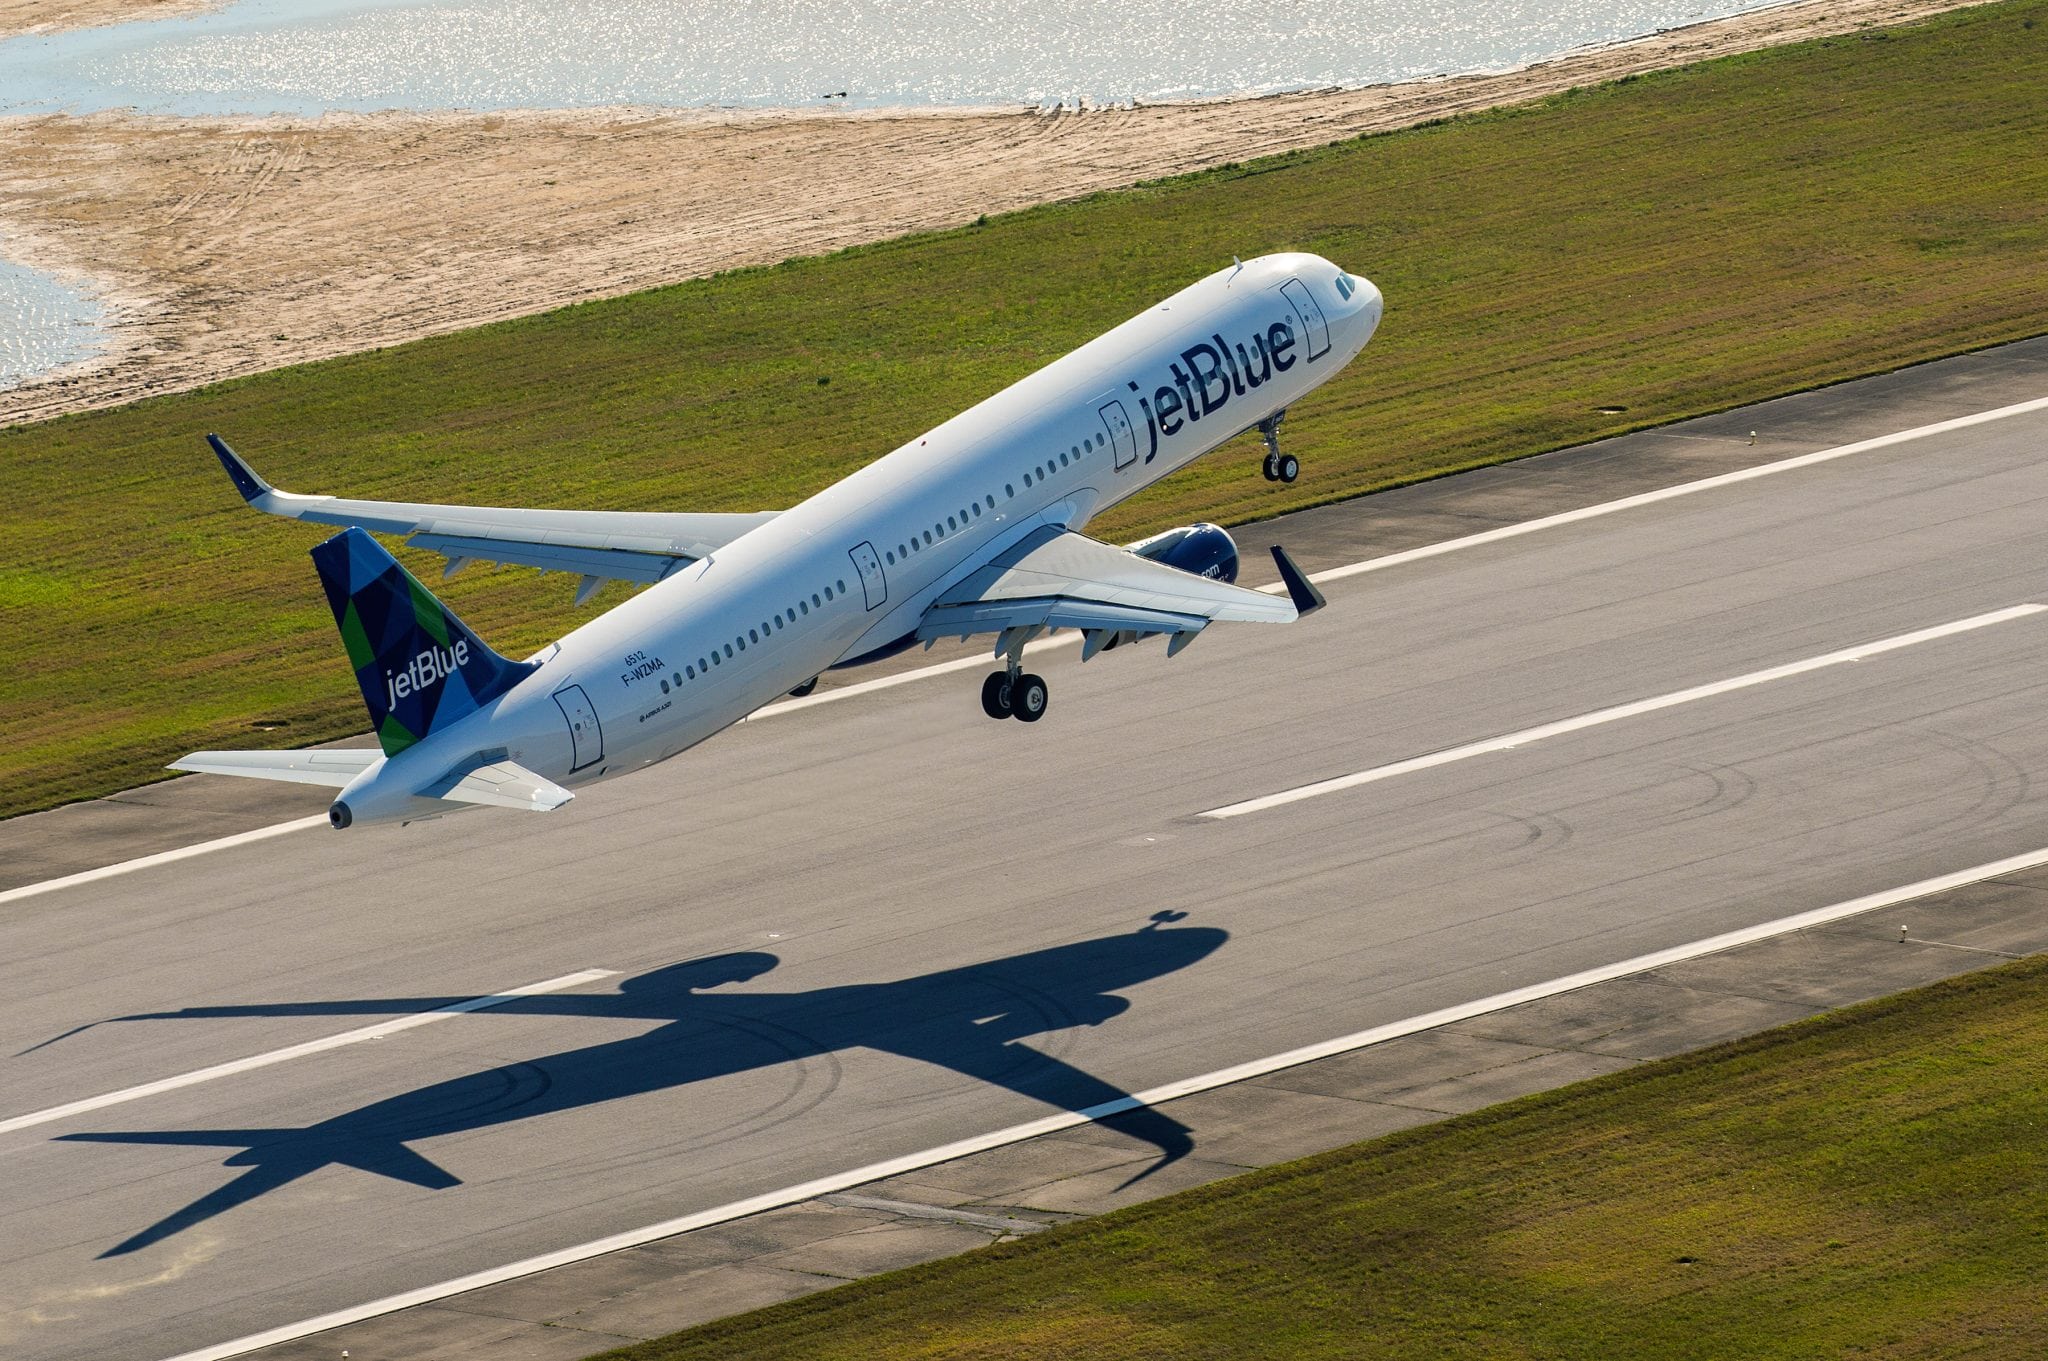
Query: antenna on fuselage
point(1239, 270)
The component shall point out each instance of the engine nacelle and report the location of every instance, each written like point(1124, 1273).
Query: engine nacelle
point(1203, 549)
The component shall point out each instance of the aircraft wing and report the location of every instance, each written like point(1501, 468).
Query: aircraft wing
point(1056, 579)
point(597, 545)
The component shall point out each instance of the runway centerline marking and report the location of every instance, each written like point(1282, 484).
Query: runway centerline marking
point(1616, 713)
point(297, 1051)
point(1052, 1124)
point(1068, 640)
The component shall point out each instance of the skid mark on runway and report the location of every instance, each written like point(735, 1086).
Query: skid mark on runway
point(62, 1304)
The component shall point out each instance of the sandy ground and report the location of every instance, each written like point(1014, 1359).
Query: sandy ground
point(48, 16)
point(226, 246)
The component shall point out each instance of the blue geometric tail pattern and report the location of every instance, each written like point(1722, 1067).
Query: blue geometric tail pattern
point(420, 668)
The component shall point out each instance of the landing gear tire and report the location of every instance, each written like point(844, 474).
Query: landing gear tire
point(1028, 697)
point(995, 695)
point(805, 688)
point(1289, 468)
point(1271, 468)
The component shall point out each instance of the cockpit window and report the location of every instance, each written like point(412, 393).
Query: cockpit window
point(1344, 287)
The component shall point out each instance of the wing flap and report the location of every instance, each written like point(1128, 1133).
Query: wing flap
point(333, 767)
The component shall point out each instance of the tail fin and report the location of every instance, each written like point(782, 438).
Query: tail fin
point(419, 666)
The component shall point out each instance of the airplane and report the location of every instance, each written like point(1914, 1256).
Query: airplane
point(972, 528)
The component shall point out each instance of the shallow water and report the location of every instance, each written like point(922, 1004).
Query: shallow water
point(44, 324)
point(306, 56)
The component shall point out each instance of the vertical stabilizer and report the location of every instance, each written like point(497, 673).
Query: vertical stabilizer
point(420, 668)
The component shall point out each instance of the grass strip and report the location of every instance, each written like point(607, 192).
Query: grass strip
point(1871, 1183)
point(1669, 245)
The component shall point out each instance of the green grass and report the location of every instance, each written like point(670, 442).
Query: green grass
point(1873, 1183)
point(1673, 244)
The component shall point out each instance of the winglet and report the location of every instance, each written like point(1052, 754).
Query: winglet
point(1307, 599)
point(240, 473)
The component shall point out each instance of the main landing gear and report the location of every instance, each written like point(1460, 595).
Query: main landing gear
point(1279, 467)
point(1014, 694)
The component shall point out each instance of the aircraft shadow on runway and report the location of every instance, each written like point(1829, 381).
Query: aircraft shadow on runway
point(969, 1020)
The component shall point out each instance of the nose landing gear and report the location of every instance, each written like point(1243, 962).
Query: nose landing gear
point(1279, 467)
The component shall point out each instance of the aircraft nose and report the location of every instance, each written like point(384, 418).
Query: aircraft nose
point(1371, 301)
point(1366, 305)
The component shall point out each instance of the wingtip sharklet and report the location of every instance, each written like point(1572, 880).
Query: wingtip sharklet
point(245, 478)
point(1307, 599)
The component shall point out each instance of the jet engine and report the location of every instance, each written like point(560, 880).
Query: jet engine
point(1203, 549)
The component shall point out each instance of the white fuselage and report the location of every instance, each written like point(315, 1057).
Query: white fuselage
point(854, 568)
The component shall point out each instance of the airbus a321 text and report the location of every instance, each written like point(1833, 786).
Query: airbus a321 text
point(971, 528)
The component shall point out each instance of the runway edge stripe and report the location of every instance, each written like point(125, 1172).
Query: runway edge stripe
point(1052, 1124)
point(1330, 574)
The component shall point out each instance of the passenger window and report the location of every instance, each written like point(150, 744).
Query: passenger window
point(950, 524)
point(1063, 458)
point(828, 592)
point(1008, 490)
point(991, 502)
point(814, 598)
point(753, 636)
point(742, 643)
point(1027, 479)
point(679, 678)
point(664, 687)
point(691, 671)
point(802, 608)
point(888, 557)
point(842, 588)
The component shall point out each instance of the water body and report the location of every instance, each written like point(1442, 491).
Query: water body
point(44, 324)
point(309, 56)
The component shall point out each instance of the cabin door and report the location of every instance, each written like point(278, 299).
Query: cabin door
point(1117, 423)
point(868, 563)
point(1318, 330)
point(586, 737)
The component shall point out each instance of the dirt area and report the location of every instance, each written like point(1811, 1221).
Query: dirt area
point(50, 16)
point(226, 246)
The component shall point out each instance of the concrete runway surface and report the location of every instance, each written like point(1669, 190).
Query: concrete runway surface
point(876, 926)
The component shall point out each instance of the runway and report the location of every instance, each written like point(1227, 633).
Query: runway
point(946, 926)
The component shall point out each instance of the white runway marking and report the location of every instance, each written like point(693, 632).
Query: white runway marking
point(1068, 640)
point(1050, 1124)
point(1571, 517)
point(1617, 713)
point(162, 858)
point(369, 1032)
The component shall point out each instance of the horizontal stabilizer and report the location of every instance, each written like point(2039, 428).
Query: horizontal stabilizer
point(333, 768)
point(503, 784)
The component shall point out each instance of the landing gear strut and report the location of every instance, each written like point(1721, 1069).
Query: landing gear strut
point(1279, 467)
point(1014, 693)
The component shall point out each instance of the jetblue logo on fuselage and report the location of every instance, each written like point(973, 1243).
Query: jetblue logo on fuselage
point(1208, 373)
point(434, 664)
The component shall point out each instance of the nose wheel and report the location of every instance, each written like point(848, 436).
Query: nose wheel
point(1279, 467)
point(1022, 697)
